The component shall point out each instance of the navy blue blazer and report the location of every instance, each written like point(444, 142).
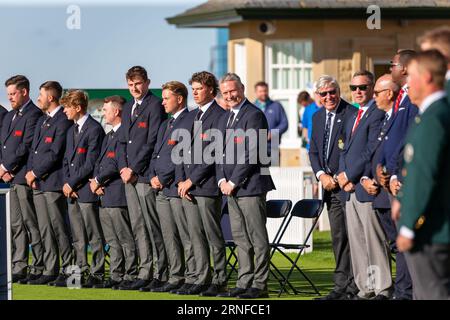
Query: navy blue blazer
point(391, 156)
point(47, 151)
point(139, 135)
point(107, 171)
point(203, 175)
point(359, 148)
point(381, 200)
point(16, 140)
point(80, 158)
point(344, 112)
point(3, 112)
point(162, 165)
point(248, 178)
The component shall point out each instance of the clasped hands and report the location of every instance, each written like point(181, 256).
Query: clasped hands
point(344, 183)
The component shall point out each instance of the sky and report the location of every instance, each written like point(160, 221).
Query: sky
point(112, 36)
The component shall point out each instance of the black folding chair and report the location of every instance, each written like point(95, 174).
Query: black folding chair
point(307, 209)
point(229, 243)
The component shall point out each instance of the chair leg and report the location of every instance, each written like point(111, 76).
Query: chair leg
point(280, 278)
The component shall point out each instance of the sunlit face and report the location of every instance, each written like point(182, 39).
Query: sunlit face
point(382, 96)
point(416, 83)
point(44, 99)
point(329, 97)
point(138, 87)
point(171, 101)
point(262, 93)
point(202, 93)
point(232, 93)
point(396, 69)
point(16, 97)
point(364, 90)
point(110, 113)
point(72, 113)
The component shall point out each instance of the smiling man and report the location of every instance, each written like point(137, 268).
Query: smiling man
point(327, 141)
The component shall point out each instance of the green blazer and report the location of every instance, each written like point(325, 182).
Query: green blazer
point(447, 89)
point(425, 195)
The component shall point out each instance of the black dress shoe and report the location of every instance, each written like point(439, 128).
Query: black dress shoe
point(213, 290)
point(110, 283)
point(155, 283)
point(61, 281)
point(183, 289)
point(135, 285)
point(30, 277)
point(234, 292)
point(18, 276)
point(42, 280)
point(167, 287)
point(123, 283)
point(197, 288)
point(253, 293)
point(333, 295)
point(93, 282)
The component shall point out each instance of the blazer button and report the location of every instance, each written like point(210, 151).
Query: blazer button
point(129, 141)
point(4, 147)
point(71, 164)
point(157, 157)
point(35, 152)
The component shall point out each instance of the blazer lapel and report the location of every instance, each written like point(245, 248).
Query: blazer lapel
point(84, 128)
point(141, 109)
point(337, 125)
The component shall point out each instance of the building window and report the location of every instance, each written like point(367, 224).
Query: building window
point(289, 64)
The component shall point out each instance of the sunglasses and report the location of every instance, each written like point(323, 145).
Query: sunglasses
point(394, 64)
point(362, 87)
point(376, 93)
point(324, 93)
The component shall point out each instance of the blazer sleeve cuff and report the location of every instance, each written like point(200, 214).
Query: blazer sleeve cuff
point(406, 232)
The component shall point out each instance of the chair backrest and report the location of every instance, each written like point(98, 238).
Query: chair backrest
point(307, 208)
point(278, 208)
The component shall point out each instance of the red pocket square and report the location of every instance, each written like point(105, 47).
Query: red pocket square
point(81, 150)
point(142, 124)
point(18, 133)
point(111, 154)
point(171, 142)
point(238, 139)
point(203, 136)
point(48, 140)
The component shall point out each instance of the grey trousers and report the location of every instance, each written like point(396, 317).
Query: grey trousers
point(25, 231)
point(86, 229)
point(51, 208)
point(190, 274)
point(172, 240)
point(203, 214)
point(122, 253)
point(369, 249)
point(429, 267)
point(248, 217)
point(146, 229)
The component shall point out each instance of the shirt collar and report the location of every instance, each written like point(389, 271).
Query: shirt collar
point(367, 105)
point(405, 88)
point(175, 116)
point(236, 109)
point(52, 114)
point(205, 107)
point(116, 127)
point(428, 101)
point(24, 105)
point(81, 121)
point(389, 113)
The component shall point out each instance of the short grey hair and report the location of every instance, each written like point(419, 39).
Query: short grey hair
point(230, 76)
point(326, 81)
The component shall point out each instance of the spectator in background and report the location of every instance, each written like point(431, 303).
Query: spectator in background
point(311, 107)
point(273, 110)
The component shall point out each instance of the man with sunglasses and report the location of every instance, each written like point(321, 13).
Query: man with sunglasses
point(326, 143)
point(368, 246)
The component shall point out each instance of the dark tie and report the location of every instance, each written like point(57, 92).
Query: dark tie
point(45, 121)
point(169, 125)
point(136, 110)
point(383, 127)
point(199, 114)
point(14, 119)
point(110, 134)
point(326, 138)
point(230, 120)
point(76, 132)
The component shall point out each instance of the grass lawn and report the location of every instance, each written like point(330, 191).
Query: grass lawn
point(318, 265)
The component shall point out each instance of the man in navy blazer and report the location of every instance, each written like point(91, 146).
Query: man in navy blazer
point(172, 216)
point(200, 193)
point(3, 112)
point(327, 140)
point(83, 145)
point(141, 119)
point(16, 139)
point(45, 176)
point(369, 250)
point(108, 185)
point(246, 183)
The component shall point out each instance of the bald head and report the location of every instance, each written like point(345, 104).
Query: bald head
point(385, 92)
